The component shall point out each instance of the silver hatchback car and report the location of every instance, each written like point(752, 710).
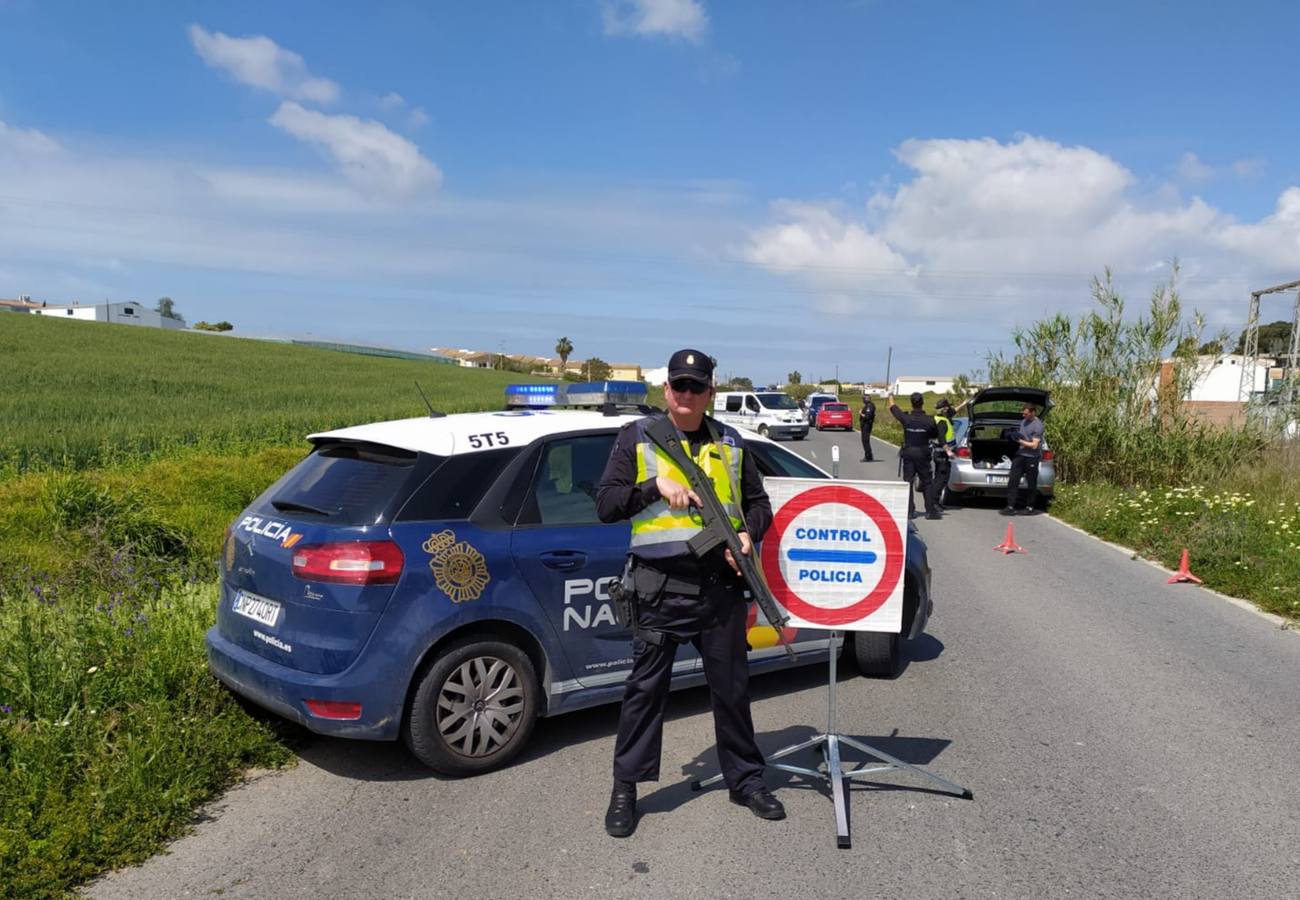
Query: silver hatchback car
point(986, 444)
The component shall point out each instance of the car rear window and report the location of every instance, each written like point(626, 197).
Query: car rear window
point(457, 486)
point(346, 483)
point(778, 462)
point(835, 407)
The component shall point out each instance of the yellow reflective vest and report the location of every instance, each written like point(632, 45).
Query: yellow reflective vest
point(660, 532)
point(945, 428)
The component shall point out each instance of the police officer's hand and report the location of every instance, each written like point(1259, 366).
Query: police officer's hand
point(746, 547)
point(678, 495)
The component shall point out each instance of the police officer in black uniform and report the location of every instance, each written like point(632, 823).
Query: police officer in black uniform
point(867, 421)
point(681, 597)
point(919, 429)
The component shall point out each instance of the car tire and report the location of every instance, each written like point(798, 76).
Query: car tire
point(800, 437)
point(1043, 503)
point(878, 654)
point(762, 430)
point(448, 734)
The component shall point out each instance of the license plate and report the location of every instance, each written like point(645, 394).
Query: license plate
point(259, 609)
point(996, 479)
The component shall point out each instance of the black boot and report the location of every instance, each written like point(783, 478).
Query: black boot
point(760, 802)
point(620, 818)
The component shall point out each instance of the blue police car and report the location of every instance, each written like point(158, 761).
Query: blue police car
point(446, 580)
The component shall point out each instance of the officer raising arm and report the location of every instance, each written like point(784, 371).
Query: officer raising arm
point(918, 431)
point(683, 598)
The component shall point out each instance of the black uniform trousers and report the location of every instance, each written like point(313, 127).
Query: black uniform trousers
point(942, 469)
point(1027, 467)
point(866, 442)
point(916, 465)
point(714, 622)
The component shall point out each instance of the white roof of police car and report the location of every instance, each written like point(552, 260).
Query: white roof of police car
point(449, 435)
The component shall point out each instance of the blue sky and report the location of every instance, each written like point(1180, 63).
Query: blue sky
point(791, 185)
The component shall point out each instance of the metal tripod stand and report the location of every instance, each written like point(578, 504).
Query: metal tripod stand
point(833, 770)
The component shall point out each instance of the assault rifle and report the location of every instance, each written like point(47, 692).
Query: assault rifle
point(718, 529)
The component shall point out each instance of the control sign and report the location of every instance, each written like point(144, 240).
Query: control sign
point(834, 556)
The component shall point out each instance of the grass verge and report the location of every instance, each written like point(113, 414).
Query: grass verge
point(112, 731)
point(1241, 543)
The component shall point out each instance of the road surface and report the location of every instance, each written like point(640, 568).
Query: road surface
point(1123, 738)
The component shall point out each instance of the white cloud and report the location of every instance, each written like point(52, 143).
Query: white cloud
point(391, 101)
point(1019, 226)
point(417, 118)
point(368, 153)
point(26, 141)
point(1190, 168)
point(815, 239)
point(1248, 168)
point(262, 63)
point(684, 19)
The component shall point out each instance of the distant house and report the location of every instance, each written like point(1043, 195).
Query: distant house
point(469, 359)
point(624, 372)
point(21, 305)
point(1214, 396)
point(556, 367)
point(124, 313)
point(925, 384)
point(529, 362)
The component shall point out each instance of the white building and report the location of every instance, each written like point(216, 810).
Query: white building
point(1218, 378)
point(1214, 396)
point(925, 384)
point(126, 313)
point(656, 377)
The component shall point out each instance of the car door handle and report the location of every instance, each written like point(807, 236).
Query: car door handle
point(564, 560)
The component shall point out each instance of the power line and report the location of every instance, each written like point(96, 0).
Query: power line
point(919, 273)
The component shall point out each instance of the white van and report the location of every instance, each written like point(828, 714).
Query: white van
point(770, 413)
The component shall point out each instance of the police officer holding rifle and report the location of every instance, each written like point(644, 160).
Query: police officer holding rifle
point(683, 583)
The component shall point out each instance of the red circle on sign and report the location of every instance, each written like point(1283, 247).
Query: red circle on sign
point(876, 511)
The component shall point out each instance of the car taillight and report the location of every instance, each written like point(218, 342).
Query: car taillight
point(335, 709)
point(963, 452)
point(1047, 455)
point(353, 562)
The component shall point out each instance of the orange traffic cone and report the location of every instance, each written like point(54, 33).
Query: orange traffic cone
point(1184, 573)
point(1009, 544)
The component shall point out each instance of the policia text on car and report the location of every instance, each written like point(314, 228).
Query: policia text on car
point(682, 597)
point(919, 429)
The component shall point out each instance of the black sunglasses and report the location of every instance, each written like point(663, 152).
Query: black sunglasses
point(688, 386)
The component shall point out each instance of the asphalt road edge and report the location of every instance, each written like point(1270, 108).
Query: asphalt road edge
point(1282, 623)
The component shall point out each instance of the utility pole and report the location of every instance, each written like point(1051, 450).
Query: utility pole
point(889, 361)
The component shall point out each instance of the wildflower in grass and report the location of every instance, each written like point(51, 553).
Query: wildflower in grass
point(6, 710)
point(92, 670)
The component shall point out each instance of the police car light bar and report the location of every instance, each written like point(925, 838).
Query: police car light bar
point(534, 396)
point(598, 393)
point(593, 393)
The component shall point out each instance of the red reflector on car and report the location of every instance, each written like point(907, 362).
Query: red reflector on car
point(334, 709)
point(1047, 454)
point(963, 452)
point(351, 562)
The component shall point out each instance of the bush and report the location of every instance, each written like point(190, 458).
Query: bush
point(1114, 418)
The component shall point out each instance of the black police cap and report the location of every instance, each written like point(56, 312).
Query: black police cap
point(691, 364)
point(918, 399)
